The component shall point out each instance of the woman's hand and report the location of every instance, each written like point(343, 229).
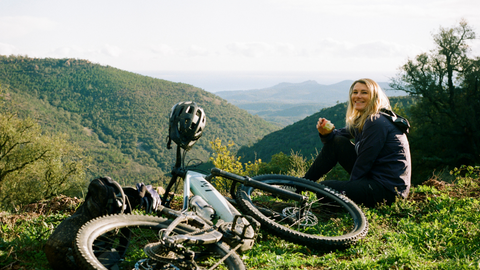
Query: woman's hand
point(324, 126)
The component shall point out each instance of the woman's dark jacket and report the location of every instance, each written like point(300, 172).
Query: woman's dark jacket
point(383, 152)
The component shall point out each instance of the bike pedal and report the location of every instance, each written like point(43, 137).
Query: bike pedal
point(243, 230)
point(253, 222)
point(248, 230)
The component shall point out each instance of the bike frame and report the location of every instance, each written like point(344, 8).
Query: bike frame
point(239, 227)
point(198, 185)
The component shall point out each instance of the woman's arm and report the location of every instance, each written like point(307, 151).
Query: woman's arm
point(368, 147)
point(336, 132)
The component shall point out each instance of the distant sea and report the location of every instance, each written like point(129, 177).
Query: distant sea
point(227, 81)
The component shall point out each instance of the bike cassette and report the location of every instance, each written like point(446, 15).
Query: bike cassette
point(171, 253)
point(150, 264)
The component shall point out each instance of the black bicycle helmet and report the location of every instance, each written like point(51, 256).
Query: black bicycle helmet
point(187, 121)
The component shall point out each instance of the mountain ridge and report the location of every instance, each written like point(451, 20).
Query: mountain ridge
point(275, 103)
point(310, 91)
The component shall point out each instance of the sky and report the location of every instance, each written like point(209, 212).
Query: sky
point(235, 45)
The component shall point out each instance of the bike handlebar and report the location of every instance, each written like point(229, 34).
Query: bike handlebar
point(231, 176)
point(247, 181)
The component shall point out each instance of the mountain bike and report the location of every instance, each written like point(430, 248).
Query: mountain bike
point(295, 209)
point(208, 231)
point(173, 239)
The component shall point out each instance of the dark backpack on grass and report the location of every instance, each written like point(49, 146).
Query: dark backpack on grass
point(104, 196)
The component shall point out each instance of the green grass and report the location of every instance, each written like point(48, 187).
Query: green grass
point(22, 238)
point(438, 227)
point(432, 230)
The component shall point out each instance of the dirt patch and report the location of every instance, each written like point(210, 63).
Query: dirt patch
point(417, 197)
point(59, 204)
point(88, 131)
point(433, 182)
point(453, 190)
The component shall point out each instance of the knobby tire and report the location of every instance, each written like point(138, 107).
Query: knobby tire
point(102, 241)
point(329, 221)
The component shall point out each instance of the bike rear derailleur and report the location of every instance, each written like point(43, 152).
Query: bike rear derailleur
point(171, 253)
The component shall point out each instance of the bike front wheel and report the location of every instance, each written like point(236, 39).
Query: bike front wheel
point(118, 241)
point(328, 220)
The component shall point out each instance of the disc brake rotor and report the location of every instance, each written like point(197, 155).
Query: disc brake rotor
point(307, 219)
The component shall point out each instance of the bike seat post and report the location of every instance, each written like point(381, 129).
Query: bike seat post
point(178, 160)
point(186, 192)
point(177, 171)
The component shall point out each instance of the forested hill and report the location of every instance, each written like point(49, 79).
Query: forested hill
point(121, 118)
point(302, 136)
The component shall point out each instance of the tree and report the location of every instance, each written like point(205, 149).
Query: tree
point(445, 119)
point(280, 163)
point(34, 165)
point(223, 159)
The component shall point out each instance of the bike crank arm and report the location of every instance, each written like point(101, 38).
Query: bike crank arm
point(191, 218)
point(202, 239)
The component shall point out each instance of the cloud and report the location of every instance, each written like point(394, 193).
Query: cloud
point(431, 9)
point(373, 49)
point(111, 50)
point(72, 52)
point(162, 49)
point(380, 49)
point(18, 26)
point(262, 49)
point(330, 45)
point(286, 49)
point(92, 53)
point(7, 49)
point(250, 49)
point(195, 50)
point(327, 48)
point(165, 50)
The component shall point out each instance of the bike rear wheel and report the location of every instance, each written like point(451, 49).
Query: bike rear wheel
point(328, 220)
point(119, 241)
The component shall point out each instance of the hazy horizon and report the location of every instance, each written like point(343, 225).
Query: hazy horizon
point(230, 81)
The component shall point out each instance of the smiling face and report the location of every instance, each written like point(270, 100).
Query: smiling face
point(360, 97)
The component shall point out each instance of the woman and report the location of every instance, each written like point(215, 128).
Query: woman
point(379, 162)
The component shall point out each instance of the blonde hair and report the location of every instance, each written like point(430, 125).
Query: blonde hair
point(378, 100)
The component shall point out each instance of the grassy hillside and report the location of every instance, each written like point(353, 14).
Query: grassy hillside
point(437, 227)
point(119, 117)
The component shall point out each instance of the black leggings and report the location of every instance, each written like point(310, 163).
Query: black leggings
point(342, 151)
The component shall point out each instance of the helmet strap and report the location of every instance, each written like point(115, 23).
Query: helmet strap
point(169, 143)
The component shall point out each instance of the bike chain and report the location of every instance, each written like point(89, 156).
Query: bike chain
point(181, 250)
